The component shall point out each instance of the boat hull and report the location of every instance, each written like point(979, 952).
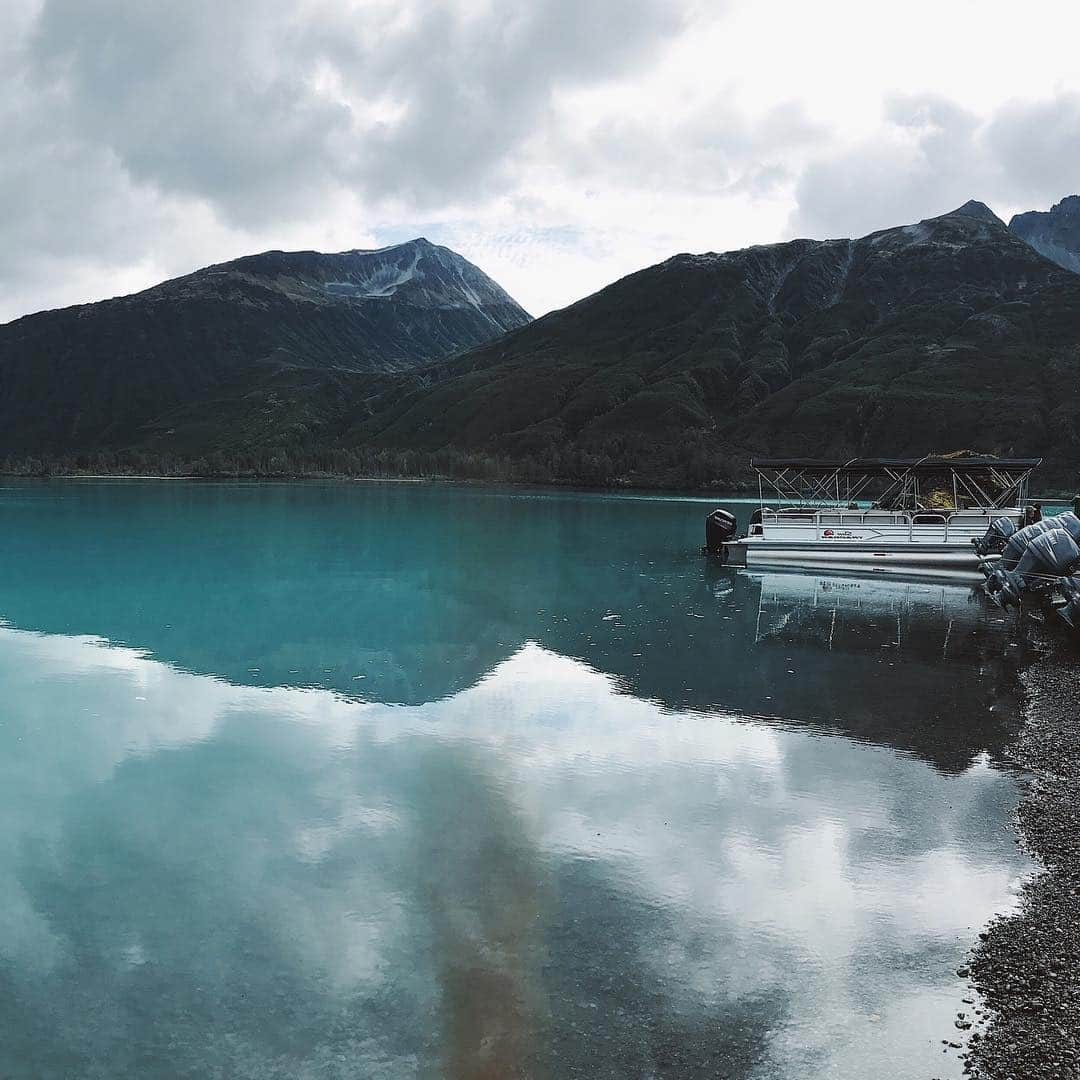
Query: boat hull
point(880, 557)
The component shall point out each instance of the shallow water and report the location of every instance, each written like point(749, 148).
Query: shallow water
point(326, 780)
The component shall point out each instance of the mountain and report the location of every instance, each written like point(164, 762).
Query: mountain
point(949, 333)
point(1054, 233)
point(980, 211)
point(98, 376)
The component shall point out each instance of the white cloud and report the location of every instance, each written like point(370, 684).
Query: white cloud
point(559, 145)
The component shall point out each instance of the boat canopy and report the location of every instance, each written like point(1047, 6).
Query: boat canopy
point(933, 482)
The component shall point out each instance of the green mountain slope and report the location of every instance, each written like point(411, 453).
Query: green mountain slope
point(949, 333)
point(107, 375)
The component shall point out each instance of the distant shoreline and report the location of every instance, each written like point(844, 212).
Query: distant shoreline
point(242, 476)
point(302, 478)
point(611, 489)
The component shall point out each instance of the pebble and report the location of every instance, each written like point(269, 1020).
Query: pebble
point(1026, 966)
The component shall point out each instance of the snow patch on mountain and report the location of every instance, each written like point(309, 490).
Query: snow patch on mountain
point(417, 274)
point(380, 282)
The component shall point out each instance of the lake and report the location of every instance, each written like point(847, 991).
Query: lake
point(400, 780)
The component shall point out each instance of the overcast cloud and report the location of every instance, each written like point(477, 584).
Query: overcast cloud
point(559, 143)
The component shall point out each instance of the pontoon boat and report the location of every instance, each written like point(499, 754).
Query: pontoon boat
point(905, 515)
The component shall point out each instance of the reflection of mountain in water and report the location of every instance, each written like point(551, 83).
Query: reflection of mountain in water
point(402, 593)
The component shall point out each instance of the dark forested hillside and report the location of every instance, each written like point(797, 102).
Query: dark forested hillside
point(953, 333)
point(945, 334)
point(104, 376)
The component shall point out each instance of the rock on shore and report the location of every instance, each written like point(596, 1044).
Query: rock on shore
point(1027, 965)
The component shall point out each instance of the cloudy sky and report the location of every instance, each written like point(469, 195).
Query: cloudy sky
point(557, 143)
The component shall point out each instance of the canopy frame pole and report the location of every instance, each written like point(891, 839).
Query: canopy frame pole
point(990, 483)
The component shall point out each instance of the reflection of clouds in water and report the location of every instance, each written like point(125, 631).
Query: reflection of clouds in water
point(388, 882)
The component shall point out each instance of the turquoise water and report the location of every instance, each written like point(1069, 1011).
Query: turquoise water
point(391, 780)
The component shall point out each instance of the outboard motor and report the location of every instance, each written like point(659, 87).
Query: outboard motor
point(1011, 554)
point(720, 527)
point(1069, 522)
point(996, 537)
point(1048, 557)
point(1070, 607)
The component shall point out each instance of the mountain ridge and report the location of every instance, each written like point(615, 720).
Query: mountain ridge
point(94, 376)
point(1054, 233)
point(667, 373)
point(945, 333)
point(488, 292)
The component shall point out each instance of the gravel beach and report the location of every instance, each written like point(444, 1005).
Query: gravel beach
point(1026, 966)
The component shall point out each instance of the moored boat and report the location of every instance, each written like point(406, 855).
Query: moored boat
point(931, 514)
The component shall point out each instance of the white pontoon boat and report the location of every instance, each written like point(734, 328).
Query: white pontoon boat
point(914, 516)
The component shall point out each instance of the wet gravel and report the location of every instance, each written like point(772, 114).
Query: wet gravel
point(1024, 1023)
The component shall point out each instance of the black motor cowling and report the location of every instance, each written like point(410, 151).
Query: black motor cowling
point(720, 526)
point(1017, 544)
point(995, 537)
point(1050, 556)
point(1070, 523)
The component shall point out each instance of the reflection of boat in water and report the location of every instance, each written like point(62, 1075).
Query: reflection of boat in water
point(909, 662)
point(909, 616)
point(925, 514)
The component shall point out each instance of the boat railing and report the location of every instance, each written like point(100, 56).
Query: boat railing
point(840, 517)
point(928, 519)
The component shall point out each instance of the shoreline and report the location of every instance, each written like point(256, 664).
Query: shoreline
point(1026, 965)
point(251, 479)
point(342, 478)
point(257, 478)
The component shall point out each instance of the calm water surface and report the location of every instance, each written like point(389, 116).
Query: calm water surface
point(403, 781)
